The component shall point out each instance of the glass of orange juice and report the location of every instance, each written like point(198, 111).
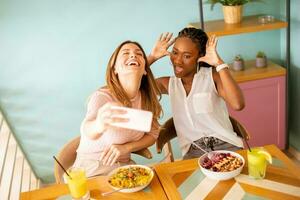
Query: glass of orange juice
point(257, 162)
point(77, 183)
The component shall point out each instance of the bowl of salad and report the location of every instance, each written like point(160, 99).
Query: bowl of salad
point(221, 165)
point(130, 178)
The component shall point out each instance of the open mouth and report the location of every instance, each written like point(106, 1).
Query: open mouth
point(133, 63)
point(178, 70)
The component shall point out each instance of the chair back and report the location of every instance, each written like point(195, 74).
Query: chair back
point(67, 156)
point(168, 132)
point(240, 130)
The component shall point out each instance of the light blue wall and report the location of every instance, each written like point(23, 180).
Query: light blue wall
point(53, 55)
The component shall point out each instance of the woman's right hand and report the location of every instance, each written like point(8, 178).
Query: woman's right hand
point(107, 115)
point(161, 46)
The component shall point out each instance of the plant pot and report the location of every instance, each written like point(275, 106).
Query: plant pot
point(261, 62)
point(233, 14)
point(238, 65)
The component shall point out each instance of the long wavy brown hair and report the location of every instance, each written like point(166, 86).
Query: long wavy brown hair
point(150, 92)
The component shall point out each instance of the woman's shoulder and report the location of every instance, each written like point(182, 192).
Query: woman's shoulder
point(101, 93)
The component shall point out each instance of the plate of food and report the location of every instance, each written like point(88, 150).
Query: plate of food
point(130, 178)
point(221, 165)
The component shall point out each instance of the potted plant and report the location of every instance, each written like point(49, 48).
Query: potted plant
point(232, 9)
point(238, 63)
point(261, 59)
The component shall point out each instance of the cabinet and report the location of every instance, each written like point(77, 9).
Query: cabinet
point(264, 115)
point(264, 88)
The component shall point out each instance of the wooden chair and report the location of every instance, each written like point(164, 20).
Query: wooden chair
point(67, 156)
point(168, 132)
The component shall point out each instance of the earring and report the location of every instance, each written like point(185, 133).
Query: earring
point(145, 73)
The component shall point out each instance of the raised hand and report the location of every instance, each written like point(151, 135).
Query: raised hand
point(211, 57)
point(107, 115)
point(161, 46)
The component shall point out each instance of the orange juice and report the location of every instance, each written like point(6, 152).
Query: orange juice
point(77, 183)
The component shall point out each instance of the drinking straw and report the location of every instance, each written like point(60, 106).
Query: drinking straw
point(62, 167)
point(247, 145)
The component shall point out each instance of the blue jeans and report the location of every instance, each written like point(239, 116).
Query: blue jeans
point(208, 144)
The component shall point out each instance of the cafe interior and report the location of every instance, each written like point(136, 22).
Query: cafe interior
point(54, 55)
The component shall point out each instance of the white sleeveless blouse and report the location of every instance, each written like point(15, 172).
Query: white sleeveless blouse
point(202, 113)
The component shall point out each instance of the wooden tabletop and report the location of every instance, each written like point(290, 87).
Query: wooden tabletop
point(96, 186)
point(282, 180)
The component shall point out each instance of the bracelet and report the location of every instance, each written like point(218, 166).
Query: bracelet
point(222, 66)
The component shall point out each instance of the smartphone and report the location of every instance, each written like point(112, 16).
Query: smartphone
point(139, 120)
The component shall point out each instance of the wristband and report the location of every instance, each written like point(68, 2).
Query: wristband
point(222, 66)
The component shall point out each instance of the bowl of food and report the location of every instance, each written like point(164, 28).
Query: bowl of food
point(221, 165)
point(130, 178)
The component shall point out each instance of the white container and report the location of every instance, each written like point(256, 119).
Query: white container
point(221, 175)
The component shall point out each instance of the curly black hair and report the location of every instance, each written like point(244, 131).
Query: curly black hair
point(199, 37)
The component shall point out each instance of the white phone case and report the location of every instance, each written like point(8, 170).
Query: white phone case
point(139, 120)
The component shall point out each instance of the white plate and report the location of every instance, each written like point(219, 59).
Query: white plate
point(135, 189)
point(221, 175)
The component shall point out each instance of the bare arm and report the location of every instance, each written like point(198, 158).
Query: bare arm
point(227, 88)
point(163, 83)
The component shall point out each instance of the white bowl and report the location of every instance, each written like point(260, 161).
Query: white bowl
point(221, 175)
point(134, 189)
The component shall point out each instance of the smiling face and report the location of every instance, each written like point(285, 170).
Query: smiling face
point(184, 57)
point(128, 64)
point(130, 60)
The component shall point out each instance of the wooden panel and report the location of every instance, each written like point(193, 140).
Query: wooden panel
point(8, 169)
point(33, 181)
point(26, 177)
point(253, 73)
point(17, 176)
point(15, 173)
point(249, 24)
point(4, 138)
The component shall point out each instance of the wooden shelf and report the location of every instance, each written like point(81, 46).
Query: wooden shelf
point(253, 73)
point(249, 24)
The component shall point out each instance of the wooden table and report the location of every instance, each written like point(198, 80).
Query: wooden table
point(184, 180)
point(96, 186)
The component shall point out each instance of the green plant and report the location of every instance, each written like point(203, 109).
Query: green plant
point(260, 54)
point(238, 57)
point(230, 2)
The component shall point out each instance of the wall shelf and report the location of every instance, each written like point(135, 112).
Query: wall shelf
point(248, 25)
point(251, 72)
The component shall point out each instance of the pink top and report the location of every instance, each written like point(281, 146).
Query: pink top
point(91, 149)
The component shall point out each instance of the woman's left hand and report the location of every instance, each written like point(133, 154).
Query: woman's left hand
point(211, 57)
point(111, 154)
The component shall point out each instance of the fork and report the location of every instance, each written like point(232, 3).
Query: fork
point(108, 193)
